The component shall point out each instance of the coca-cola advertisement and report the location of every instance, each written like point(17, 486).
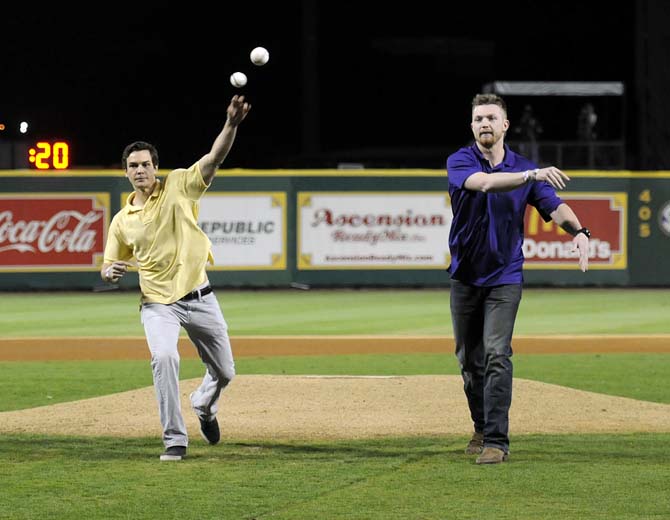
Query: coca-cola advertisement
point(64, 232)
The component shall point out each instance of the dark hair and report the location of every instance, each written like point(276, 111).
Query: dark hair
point(489, 99)
point(136, 147)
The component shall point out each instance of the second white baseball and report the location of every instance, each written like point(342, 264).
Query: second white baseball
point(259, 56)
point(238, 79)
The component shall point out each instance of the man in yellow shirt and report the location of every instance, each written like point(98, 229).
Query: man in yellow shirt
point(158, 231)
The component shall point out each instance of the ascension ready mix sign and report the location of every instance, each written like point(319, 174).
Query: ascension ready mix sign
point(547, 246)
point(373, 230)
point(53, 231)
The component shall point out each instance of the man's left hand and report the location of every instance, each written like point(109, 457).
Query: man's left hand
point(581, 242)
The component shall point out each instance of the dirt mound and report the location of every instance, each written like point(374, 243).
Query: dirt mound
point(269, 407)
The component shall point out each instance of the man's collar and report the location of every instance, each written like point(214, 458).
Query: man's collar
point(158, 186)
point(508, 158)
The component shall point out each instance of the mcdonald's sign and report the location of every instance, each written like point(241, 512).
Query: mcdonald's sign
point(547, 246)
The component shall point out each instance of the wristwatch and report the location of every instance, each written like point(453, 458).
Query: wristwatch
point(585, 231)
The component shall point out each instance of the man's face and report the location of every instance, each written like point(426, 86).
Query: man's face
point(140, 169)
point(488, 124)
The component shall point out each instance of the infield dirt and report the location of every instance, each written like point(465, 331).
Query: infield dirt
point(277, 407)
point(260, 407)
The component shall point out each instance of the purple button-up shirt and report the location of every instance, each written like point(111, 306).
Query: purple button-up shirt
point(486, 235)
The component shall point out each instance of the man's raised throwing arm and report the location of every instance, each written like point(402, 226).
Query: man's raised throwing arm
point(210, 162)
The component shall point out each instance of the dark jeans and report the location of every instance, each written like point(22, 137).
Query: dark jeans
point(483, 320)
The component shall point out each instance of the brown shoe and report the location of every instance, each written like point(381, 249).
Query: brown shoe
point(476, 444)
point(492, 456)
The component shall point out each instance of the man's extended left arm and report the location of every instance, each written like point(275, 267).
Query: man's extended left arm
point(210, 162)
point(566, 218)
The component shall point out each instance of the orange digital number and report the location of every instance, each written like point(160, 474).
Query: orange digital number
point(61, 155)
point(46, 155)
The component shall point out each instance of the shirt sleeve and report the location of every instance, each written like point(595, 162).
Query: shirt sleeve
point(460, 166)
point(192, 183)
point(544, 198)
point(116, 249)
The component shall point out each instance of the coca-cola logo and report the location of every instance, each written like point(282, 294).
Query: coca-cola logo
point(56, 232)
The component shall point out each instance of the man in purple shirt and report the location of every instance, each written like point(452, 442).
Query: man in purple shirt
point(490, 186)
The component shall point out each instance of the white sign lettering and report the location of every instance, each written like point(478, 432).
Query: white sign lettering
point(54, 235)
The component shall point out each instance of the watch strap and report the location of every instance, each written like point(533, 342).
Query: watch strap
point(585, 231)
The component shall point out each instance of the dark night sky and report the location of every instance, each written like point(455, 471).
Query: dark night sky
point(398, 78)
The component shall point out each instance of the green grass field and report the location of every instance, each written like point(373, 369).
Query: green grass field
point(548, 476)
point(343, 311)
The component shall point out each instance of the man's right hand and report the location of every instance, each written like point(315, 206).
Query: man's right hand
point(114, 272)
point(553, 176)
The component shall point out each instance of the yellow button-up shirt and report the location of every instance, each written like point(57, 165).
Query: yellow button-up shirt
point(169, 248)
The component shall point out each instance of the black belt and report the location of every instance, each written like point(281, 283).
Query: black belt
point(197, 294)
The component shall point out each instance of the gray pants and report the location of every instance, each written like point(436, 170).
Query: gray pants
point(483, 320)
point(203, 321)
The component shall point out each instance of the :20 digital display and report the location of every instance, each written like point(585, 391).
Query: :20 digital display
point(49, 155)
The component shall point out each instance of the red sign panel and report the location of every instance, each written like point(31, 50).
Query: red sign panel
point(52, 231)
point(546, 245)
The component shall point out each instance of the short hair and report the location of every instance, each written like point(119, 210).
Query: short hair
point(489, 99)
point(136, 147)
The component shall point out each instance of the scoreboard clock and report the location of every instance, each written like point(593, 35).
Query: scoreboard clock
point(48, 155)
point(37, 154)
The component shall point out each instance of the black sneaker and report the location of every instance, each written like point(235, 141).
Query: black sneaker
point(210, 430)
point(174, 453)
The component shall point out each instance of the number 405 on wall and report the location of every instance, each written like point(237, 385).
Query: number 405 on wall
point(49, 155)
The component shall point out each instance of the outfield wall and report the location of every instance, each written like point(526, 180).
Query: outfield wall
point(329, 228)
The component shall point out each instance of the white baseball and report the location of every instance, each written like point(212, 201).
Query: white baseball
point(259, 56)
point(238, 79)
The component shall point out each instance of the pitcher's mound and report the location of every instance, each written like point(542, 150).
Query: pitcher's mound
point(262, 407)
